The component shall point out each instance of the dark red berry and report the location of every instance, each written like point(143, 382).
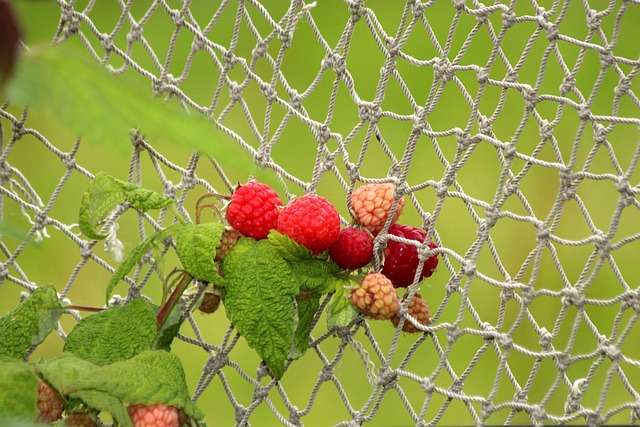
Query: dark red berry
point(401, 260)
point(353, 249)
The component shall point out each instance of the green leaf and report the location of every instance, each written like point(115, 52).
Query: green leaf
point(147, 378)
point(258, 298)
point(196, 247)
point(11, 231)
point(102, 107)
point(313, 274)
point(29, 324)
point(307, 309)
point(6, 421)
point(340, 310)
point(18, 389)
point(288, 248)
point(105, 193)
point(138, 252)
point(169, 329)
point(118, 333)
point(66, 369)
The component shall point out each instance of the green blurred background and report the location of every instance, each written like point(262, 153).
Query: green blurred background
point(54, 260)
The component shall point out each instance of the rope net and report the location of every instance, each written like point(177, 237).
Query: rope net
point(512, 130)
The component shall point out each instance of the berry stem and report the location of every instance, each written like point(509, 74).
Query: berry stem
point(173, 299)
point(84, 308)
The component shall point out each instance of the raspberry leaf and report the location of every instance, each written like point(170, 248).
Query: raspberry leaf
point(149, 377)
point(313, 274)
point(18, 389)
point(288, 248)
point(138, 252)
point(105, 193)
point(340, 311)
point(66, 369)
point(258, 297)
point(169, 329)
point(196, 247)
point(28, 324)
point(308, 305)
point(115, 334)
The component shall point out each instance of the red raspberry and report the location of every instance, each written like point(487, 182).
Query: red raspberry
point(419, 310)
point(158, 415)
point(312, 221)
point(227, 240)
point(79, 419)
point(353, 249)
point(50, 406)
point(372, 203)
point(401, 260)
point(376, 297)
point(253, 209)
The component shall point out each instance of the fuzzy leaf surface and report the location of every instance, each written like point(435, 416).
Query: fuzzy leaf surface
point(105, 193)
point(307, 309)
point(118, 333)
point(258, 298)
point(149, 377)
point(29, 323)
point(196, 246)
point(138, 252)
point(313, 274)
point(67, 368)
point(18, 389)
point(340, 310)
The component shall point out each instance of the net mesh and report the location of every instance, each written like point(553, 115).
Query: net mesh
point(512, 129)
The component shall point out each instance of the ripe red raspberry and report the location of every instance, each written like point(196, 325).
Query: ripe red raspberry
point(253, 209)
point(372, 204)
point(353, 249)
point(79, 419)
point(158, 415)
point(312, 221)
point(419, 310)
point(376, 297)
point(401, 260)
point(50, 406)
point(227, 240)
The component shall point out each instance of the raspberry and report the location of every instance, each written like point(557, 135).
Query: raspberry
point(312, 221)
point(50, 406)
point(376, 297)
point(372, 203)
point(253, 209)
point(158, 415)
point(227, 240)
point(210, 303)
point(79, 419)
point(417, 309)
point(353, 249)
point(401, 260)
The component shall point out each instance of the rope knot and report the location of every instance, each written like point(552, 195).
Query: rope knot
point(295, 100)
point(387, 377)
point(593, 19)
point(584, 112)
point(356, 9)
point(335, 61)
point(572, 296)
point(260, 50)
point(602, 244)
point(442, 69)
point(575, 395)
point(484, 125)
point(285, 38)
point(135, 34)
point(606, 58)
point(567, 85)
point(545, 339)
point(546, 130)
point(368, 111)
point(508, 19)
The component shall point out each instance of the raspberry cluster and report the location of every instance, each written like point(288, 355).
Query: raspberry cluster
point(314, 222)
